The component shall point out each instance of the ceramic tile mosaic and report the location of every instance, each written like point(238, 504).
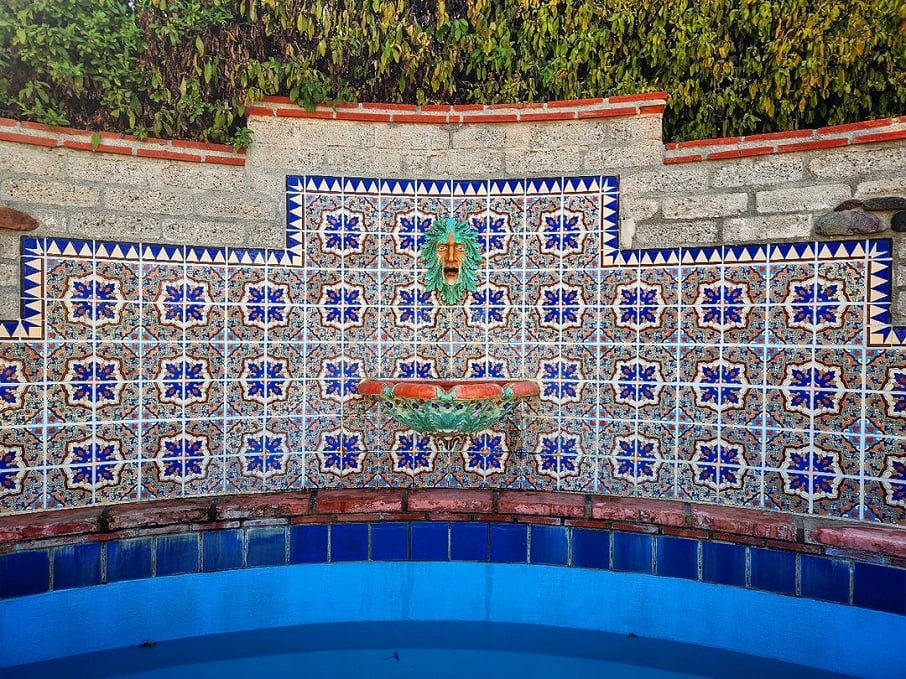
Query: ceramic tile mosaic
point(758, 375)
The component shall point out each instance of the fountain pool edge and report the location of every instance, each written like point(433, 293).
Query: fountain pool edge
point(817, 634)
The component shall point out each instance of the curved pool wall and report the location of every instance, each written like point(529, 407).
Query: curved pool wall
point(761, 584)
point(700, 622)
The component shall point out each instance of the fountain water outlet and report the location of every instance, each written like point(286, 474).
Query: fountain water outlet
point(448, 409)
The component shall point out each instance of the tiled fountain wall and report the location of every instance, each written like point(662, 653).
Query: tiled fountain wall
point(764, 375)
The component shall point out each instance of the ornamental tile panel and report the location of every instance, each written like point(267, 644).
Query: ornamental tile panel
point(758, 375)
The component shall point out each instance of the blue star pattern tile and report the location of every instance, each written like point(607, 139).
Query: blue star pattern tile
point(756, 375)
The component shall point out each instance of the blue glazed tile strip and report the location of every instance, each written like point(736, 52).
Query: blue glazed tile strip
point(77, 566)
point(390, 542)
point(308, 544)
point(677, 557)
point(509, 543)
point(724, 564)
point(266, 546)
point(824, 578)
point(129, 559)
point(349, 542)
point(177, 554)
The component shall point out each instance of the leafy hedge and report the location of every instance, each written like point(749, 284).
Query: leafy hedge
point(184, 68)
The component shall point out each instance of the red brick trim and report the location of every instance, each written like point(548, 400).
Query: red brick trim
point(433, 114)
point(883, 544)
point(794, 141)
point(38, 134)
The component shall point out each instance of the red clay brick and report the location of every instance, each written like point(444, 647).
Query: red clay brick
point(420, 118)
point(853, 127)
point(660, 512)
point(490, 118)
point(204, 146)
point(573, 103)
point(302, 113)
point(49, 524)
point(541, 504)
point(634, 527)
point(265, 111)
point(651, 109)
point(168, 155)
point(8, 122)
point(881, 136)
point(693, 533)
point(224, 160)
point(27, 139)
point(374, 106)
point(644, 96)
point(587, 523)
point(363, 116)
point(740, 521)
point(274, 99)
point(717, 141)
point(541, 520)
point(494, 107)
point(779, 136)
point(359, 501)
point(254, 506)
point(677, 160)
point(547, 115)
point(812, 145)
point(609, 112)
point(741, 153)
point(874, 539)
point(454, 501)
point(160, 513)
point(100, 148)
point(463, 107)
point(738, 539)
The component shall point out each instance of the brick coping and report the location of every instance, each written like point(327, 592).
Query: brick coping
point(649, 103)
point(753, 527)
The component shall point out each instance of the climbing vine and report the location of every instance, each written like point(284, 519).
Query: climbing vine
point(186, 68)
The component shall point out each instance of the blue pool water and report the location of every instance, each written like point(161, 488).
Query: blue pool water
point(437, 620)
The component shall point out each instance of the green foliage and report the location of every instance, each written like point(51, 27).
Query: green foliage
point(186, 68)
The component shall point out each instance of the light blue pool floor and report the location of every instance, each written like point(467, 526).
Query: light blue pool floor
point(440, 650)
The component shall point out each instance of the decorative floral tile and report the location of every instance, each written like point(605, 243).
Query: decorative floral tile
point(21, 469)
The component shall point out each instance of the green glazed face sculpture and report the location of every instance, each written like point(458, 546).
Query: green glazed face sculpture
point(452, 256)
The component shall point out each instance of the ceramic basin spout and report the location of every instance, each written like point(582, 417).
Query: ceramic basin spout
point(449, 407)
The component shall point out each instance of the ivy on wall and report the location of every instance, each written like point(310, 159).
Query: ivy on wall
point(185, 68)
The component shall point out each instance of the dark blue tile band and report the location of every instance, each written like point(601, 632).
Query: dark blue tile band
point(390, 541)
point(430, 541)
point(24, 573)
point(266, 546)
point(349, 542)
point(824, 578)
point(677, 557)
point(177, 554)
point(773, 570)
point(632, 552)
point(879, 587)
point(222, 550)
point(550, 545)
point(77, 566)
point(591, 548)
point(509, 543)
point(308, 544)
point(724, 564)
point(469, 542)
point(128, 559)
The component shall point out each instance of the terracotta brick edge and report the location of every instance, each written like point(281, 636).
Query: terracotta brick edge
point(878, 544)
point(37, 134)
point(794, 141)
point(650, 103)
